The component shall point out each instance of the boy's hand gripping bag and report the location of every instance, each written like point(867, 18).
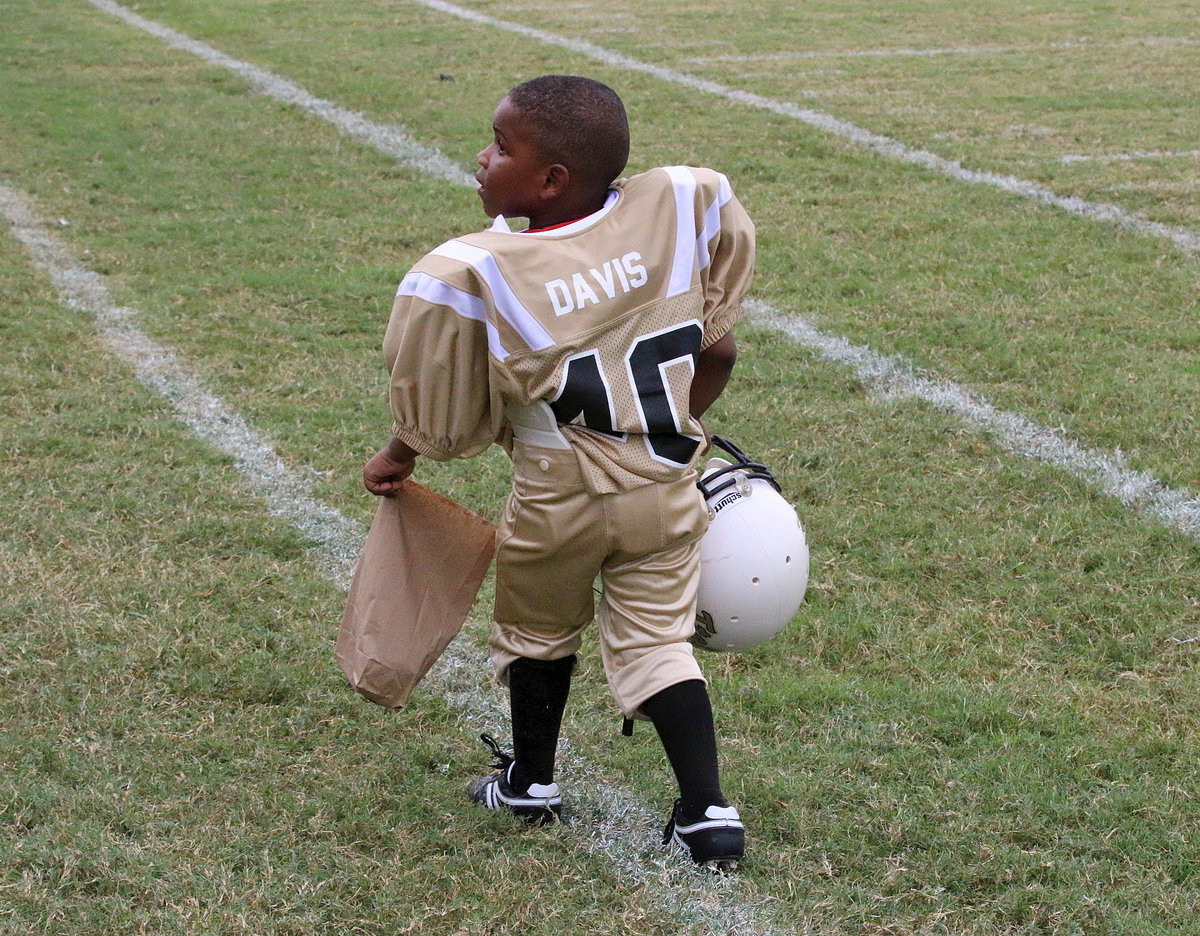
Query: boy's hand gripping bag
point(417, 577)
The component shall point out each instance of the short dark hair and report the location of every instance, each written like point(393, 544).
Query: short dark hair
point(578, 122)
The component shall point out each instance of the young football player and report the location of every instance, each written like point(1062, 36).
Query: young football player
point(588, 344)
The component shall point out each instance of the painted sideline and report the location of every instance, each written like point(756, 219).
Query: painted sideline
point(1063, 46)
point(1186, 240)
point(392, 141)
point(1106, 472)
point(896, 377)
point(1130, 157)
point(397, 143)
point(283, 489)
point(609, 823)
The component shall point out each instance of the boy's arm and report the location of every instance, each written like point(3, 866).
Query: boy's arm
point(713, 366)
point(441, 396)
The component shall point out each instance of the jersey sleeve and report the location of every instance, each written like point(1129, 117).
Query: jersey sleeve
point(436, 348)
point(726, 254)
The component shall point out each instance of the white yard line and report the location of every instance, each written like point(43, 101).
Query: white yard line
point(893, 376)
point(284, 489)
point(610, 823)
point(1106, 472)
point(1067, 45)
point(1137, 156)
point(392, 141)
point(1183, 238)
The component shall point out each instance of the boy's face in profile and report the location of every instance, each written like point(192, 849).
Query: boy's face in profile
point(512, 172)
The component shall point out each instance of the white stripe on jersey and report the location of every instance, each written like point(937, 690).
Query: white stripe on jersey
point(712, 220)
point(505, 300)
point(684, 263)
point(426, 287)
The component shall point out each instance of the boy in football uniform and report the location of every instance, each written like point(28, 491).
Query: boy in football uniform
point(588, 345)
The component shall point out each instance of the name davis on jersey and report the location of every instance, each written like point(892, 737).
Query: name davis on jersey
point(620, 273)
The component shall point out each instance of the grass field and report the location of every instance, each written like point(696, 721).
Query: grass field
point(984, 720)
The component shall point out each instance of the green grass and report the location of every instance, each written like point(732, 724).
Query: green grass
point(982, 722)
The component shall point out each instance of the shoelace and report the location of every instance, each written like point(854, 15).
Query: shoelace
point(503, 760)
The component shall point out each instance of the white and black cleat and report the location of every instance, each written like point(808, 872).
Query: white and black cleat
point(716, 841)
point(539, 805)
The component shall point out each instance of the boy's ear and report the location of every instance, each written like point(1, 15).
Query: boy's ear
point(557, 178)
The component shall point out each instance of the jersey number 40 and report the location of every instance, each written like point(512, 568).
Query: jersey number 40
point(653, 372)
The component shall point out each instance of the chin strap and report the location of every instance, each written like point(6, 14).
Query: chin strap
point(716, 481)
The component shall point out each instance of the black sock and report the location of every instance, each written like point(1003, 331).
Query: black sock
point(682, 715)
point(538, 695)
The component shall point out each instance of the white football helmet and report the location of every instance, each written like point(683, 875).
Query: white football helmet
point(753, 559)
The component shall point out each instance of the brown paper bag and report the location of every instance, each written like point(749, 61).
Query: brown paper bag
point(419, 572)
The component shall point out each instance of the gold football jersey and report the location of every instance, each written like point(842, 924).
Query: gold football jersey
point(583, 336)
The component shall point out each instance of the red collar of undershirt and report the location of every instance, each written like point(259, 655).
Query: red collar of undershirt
point(552, 227)
point(608, 201)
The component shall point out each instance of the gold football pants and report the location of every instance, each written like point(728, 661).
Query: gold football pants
point(556, 538)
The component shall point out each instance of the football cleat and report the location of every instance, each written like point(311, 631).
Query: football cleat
point(539, 805)
point(716, 842)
